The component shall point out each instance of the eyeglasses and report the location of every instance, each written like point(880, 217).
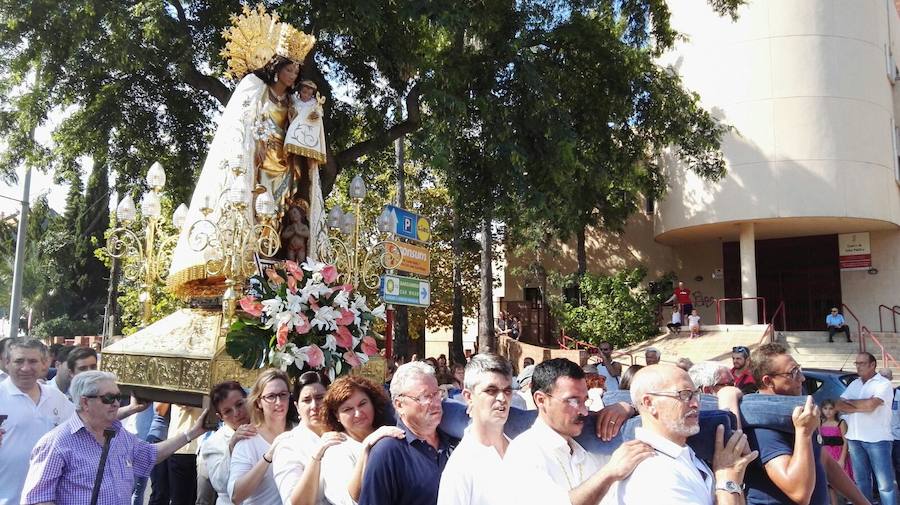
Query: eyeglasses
point(861, 363)
point(685, 395)
point(571, 401)
point(107, 399)
point(273, 397)
point(793, 374)
point(426, 399)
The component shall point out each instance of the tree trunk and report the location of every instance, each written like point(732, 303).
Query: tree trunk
point(487, 341)
point(582, 252)
point(457, 354)
point(402, 342)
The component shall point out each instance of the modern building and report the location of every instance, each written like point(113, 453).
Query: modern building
point(809, 212)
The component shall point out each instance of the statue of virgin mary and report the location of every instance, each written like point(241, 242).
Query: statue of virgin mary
point(265, 54)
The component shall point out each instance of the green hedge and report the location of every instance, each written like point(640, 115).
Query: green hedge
point(64, 327)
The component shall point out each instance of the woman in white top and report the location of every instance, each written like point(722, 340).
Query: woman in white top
point(356, 407)
point(298, 450)
point(250, 480)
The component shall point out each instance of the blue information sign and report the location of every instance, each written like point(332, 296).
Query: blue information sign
point(409, 225)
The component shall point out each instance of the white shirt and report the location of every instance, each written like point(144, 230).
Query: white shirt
point(546, 466)
point(215, 454)
point(676, 318)
point(895, 416)
point(294, 450)
point(872, 426)
point(474, 475)
point(25, 425)
point(338, 466)
point(693, 320)
point(612, 383)
point(672, 476)
point(246, 454)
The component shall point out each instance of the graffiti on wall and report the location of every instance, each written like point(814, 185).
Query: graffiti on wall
point(703, 301)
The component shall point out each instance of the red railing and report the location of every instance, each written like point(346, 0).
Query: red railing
point(894, 313)
point(769, 332)
point(719, 301)
point(565, 341)
point(885, 356)
point(859, 326)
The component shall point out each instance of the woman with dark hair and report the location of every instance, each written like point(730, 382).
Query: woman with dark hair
point(230, 403)
point(356, 407)
point(297, 449)
point(627, 375)
point(250, 479)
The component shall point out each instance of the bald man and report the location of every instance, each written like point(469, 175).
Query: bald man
point(669, 405)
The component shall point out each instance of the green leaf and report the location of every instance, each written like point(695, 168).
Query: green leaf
point(247, 344)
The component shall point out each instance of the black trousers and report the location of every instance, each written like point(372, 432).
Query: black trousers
point(159, 480)
point(834, 329)
point(182, 479)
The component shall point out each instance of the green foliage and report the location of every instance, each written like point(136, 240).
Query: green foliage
point(614, 308)
point(248, 343)
point(65, 327)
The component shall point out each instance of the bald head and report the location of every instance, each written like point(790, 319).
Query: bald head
point(655, 378)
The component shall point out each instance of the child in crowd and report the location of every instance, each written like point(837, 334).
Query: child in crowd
point(694, 323)
point(675, 325)
point(833, 431)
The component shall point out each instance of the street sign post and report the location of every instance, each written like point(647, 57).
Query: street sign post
point(409, 225)
point(400, 290)
point(413, 259)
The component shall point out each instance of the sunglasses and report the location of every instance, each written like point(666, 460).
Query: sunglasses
point(107, 399)
point(740, 349)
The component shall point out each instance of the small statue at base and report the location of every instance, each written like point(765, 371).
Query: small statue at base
point(295, 235)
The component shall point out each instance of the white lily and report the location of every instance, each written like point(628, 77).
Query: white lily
point(342, 299)
point(330, 342)
point(325, 318)
point(379, 312)
point(311, 265)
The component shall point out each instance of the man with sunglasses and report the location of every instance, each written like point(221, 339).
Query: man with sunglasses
point(835, 323)
point(791, 467)
point(743, 377)
point(31, 409)
point(669, 403)
point(65, 461)
point(230, 401)
point(546, 457)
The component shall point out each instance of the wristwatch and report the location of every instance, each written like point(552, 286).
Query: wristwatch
point(729, 486)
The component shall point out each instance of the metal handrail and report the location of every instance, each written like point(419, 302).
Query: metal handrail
point(589, 347)
point(757, 298)
point(859, 327)
point(894, 313)
point(770, 328)
point(885, 356)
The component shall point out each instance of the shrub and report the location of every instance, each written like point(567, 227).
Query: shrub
point(64, 327)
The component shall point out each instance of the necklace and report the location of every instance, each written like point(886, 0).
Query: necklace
point(279, 100)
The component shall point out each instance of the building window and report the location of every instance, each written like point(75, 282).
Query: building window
point(534, 297)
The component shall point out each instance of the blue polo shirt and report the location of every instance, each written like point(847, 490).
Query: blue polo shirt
point(405, 471)
point(771, 444)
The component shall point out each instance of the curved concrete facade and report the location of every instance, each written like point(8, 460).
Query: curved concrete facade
point(805, 85)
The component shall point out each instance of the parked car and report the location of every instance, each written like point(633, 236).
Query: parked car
point(824, 384)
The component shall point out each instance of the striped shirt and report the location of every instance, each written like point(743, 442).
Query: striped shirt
point(64, 465)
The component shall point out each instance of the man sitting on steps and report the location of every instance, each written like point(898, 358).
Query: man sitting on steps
point(835, 323)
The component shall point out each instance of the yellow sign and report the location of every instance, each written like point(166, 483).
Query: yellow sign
point(413, 259)
point(423, 230)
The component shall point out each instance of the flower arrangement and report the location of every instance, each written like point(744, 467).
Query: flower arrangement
point(298, 318)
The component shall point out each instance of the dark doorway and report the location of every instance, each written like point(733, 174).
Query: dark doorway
point(803, 272)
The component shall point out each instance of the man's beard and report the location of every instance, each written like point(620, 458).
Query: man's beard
point(681, 428)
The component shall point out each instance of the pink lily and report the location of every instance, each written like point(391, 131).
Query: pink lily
point(274, 277)
point(314, 355)
point(281, 336)
point(343, 337)
point(251, 306)
point(329, 274)
point(346, 318)
point(304, 325)
point(369, 346)
point(352, 359)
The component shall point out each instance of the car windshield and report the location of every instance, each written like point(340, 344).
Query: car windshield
point(847, 379)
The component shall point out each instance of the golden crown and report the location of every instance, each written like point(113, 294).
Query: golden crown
point(256, 36)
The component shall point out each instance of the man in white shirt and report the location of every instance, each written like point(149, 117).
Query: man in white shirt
point(473, 473)
point(549, 465)
point(669, 404)
point(63, 377)
point(230, 401)
point(4, 342)
point(31, 409)
point(867, 403)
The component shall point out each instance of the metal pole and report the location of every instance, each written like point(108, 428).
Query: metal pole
point(15, 304)
point(389, 334)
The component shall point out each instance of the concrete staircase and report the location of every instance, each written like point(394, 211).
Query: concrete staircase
point(714, 344)
point(812, 350)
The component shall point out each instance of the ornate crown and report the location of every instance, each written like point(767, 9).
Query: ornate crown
point(256, 36)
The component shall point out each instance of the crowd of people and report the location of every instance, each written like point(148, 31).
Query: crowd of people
point(355, 441)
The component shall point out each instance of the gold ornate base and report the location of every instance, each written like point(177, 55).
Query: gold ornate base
point(176, 359)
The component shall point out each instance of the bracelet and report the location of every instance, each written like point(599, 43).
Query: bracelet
point(186, 437)
point(269, 461)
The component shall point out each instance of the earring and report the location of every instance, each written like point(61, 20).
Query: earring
point(276, 77)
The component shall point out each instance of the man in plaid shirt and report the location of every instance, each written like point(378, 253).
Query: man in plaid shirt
point(64, 462)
